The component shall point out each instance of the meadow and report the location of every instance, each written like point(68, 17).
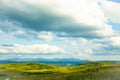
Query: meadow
point(40, 71)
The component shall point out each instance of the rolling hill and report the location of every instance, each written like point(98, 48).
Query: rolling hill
point(38, 71)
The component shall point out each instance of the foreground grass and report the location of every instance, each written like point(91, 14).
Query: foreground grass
point(37, 71)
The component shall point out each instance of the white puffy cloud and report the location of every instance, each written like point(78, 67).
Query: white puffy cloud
point(8, 26)
point(80, 27)
point(76, 18)
point(111, 10)
point(82, 48)
point(33, 49)
point(115, 41)
point(47, 36)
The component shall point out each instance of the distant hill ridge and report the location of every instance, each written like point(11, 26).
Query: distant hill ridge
point(57, 61)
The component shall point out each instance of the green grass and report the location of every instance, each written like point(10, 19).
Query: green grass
point(38, 71)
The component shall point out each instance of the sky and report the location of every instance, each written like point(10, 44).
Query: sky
point(81, 29)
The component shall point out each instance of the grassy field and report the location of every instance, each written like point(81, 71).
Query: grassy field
point(37, 71)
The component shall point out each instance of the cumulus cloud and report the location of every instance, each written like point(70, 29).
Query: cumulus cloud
point(92, 48)
point(46, 36)
point(111, 10)
point(12, 29)
point(80, 27)
point(115, 41)
point(33, 49)
point(76, 18)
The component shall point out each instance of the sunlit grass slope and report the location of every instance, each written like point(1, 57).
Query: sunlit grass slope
point(38, 71)
point(35, 68)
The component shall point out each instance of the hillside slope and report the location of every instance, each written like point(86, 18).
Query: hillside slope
point(37, 71)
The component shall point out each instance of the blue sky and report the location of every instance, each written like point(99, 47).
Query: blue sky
point(118, 1)
point(82, 29)
point(115, 26)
